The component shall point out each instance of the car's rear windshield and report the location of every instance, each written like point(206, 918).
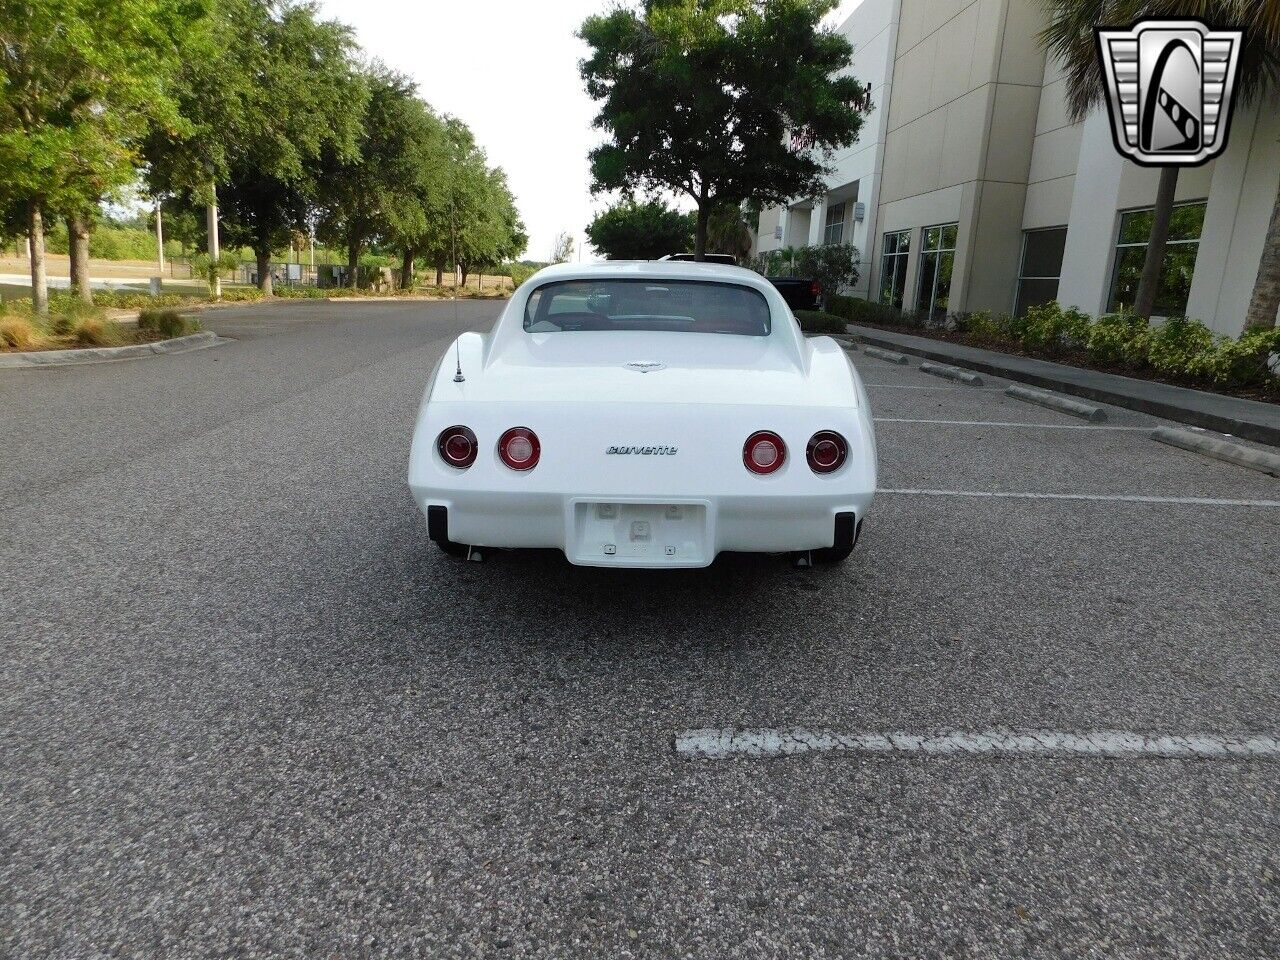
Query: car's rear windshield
point(694, 306)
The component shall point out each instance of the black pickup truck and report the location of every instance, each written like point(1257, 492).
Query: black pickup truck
point(799, 293)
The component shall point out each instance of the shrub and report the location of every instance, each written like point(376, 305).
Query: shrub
point(242, 294)
point(139, 300)
point(18, 333)
point(94, 331)
point(817, 321)
point(833, 265)
point(1245, 362)
point(1175, 345)
point(984, 326)
point(856, 310)
point(162, 323)
point(66, 313)
point(1048, 328)
point(1119, 338)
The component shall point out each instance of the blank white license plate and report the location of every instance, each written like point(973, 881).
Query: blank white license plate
point(655, 533)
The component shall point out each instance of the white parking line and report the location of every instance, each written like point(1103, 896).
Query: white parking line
point(728, 744)
point(1112, 497)
point(912, 386)
point(1005, 423)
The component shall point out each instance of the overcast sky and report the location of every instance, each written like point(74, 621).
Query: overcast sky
point(509, 68)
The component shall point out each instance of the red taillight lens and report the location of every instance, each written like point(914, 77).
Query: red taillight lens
point(827, 451)
point(764, 452)
point(457, 446)
point(815, 288)
point(519, 448)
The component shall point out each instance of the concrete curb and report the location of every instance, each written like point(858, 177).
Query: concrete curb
point(1210, 446)
point(1248, 419)
point(951, 373)
point(886, 355)
point(62, 358)
point(1085, 411)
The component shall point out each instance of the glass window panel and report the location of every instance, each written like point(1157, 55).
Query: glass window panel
point(949, 237)
point(1186, 222)
point(1042, 256)
point(931, 237)
point(942, 295)
point(1128, 273)
point(1135, 227)
point(671, 305)
point(928, 274)
point(1179, 265)
point(1033, 293)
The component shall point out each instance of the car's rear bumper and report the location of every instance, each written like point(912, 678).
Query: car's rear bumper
point(630, 531)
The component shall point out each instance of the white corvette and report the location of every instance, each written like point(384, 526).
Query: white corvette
point(641, 414)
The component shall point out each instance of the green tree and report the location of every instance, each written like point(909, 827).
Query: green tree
point(728, 231)
point(719, 100)
point(631, 230)
point(273, 92)
point(80, 83)
point(359, 193)
point(415, 211)
point(1070, 37)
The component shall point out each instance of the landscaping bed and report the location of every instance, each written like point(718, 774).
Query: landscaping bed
point(74, 325)
point(1176, 351)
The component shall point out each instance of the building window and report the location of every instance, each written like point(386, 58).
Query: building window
point(834, 230)
point(1041, 267)
point(1179, 258)
point(893, 267)
point(938, 257)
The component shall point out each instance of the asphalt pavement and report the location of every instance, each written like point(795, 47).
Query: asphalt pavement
point(247, 709)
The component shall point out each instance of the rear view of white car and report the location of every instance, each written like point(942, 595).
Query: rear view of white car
point(645, 415)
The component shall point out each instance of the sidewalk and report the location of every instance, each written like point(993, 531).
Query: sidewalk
point(1247, 419)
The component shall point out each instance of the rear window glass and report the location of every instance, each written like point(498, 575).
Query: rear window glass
point(695, 306)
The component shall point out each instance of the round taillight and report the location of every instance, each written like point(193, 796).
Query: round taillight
point(457, 446)
point(764, 452)
point(519, 448)
point(826, 452)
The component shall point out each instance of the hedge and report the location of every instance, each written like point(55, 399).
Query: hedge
point(1177, 347)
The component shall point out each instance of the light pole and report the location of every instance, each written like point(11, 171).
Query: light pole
point(211, 222)
point(160, 235)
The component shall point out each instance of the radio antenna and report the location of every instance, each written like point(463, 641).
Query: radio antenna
point(457, 346)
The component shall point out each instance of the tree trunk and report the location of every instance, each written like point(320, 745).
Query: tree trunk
point(1266, 289)
point(78, 235)
point(39, 283)
point(353, 265)
point(406, 269)
point(700, 236)
point(463, 267)
point(1149, 285)
point(264, 270)
point(439, 273)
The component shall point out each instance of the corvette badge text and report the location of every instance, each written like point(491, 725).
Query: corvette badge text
point(643, 451)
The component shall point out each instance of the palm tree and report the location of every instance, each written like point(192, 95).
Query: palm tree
point(1069, 37)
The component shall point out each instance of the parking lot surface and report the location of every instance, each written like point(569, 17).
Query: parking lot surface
point(248, 709)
